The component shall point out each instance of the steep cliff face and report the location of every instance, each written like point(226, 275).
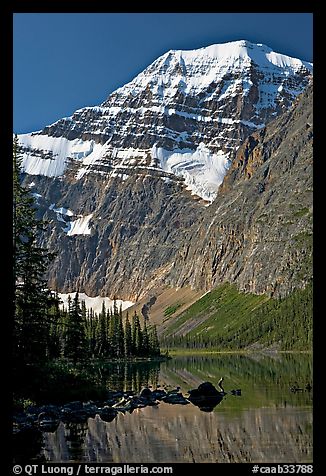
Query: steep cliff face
point(258, 231)
point(124, 240)
point(129, 187)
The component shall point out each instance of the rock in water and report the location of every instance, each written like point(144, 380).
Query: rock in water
point(146, 393)
point(48, 421)
point(176, 399)
point(206, 396)
point(207, 389)
point(107, 414)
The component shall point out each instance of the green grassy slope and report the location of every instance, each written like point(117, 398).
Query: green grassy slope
point(226, 319)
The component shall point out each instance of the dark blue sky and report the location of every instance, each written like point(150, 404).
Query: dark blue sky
point(64, 61)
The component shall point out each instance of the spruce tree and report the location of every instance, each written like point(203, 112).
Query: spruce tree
point(136, 336)
point(154, 345)
point(120, 335)
point(128, 340)
point(75, 348)
point(102, 334)
point(31, 298)
point(54, 316)
point(112, 335)
point(91, 330)
point(145, 341)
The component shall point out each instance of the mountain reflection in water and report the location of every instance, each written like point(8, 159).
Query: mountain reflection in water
point(265, 422)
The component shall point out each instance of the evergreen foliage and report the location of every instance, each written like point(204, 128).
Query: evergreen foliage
point(33, 324)
point(226, 319)
point(75, 341)
point(128, 340)
point(86, 334)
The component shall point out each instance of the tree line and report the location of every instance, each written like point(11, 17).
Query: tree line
point(41, 329)
point(77, 331)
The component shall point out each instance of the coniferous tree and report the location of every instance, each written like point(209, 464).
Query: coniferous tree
point(112, 334)
point(75, 336)
point(120, 335)
point(62, 326)
point(109, 343)
point(102, 333)
point(145, 341)
point(91, 332)
point(55, 317)
point(83, 311)
point(69, 304)
point(31, 298)
point(128, 339)
point(84, 324)
point(136, 335)
point(154, 345)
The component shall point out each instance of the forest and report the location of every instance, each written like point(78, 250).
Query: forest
point(78, 332)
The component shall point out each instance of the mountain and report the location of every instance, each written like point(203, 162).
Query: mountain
point(252, 245)
point(185, 114)
point(131, 187)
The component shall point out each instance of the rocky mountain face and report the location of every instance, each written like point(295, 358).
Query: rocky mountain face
point(258, 231)
point(136, 226)
point(130, 187)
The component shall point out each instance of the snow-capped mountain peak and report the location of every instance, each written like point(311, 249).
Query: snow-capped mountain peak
point(194, 70)
point(185, 115)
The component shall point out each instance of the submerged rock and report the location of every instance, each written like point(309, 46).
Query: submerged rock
point(159, 394)
point(48, 421)
point(107, 414)
point(146, 393)
point(176, 399)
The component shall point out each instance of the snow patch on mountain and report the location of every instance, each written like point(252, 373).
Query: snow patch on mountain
point(127, 157)
point(36, 195)
point(61, 210)
point(79, 226)
point(47, 155)
point(202, 170)
point(94, 302)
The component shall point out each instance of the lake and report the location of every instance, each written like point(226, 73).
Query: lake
point(266, 423)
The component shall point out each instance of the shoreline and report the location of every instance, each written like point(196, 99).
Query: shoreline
point(176, 352)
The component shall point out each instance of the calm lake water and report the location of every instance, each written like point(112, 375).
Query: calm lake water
point(267, 423)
